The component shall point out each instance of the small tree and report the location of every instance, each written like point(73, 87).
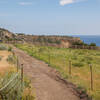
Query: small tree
point(78, 43)
point(92, 44)
point(58, 42)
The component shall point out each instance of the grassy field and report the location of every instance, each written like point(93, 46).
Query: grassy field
point(59, 58)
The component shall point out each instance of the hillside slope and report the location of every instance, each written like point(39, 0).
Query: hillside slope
point(57, 41)
point(6, 35)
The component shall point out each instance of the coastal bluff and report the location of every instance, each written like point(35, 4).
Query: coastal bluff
point(54, 40)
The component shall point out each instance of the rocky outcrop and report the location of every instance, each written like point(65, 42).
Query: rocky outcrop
point(6, 35)
point(56, 41)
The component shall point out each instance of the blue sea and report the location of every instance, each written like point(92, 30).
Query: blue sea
point(90, 39)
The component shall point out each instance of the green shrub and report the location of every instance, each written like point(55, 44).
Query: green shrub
point(82, 89)
point(89, 59)
point(58, 42)
point(74, 57)
point(30, 94)
point(92, 44)
point(78, 43)
point(3, 47)
point(78, 64)
point(11, 59)
point(9, 48)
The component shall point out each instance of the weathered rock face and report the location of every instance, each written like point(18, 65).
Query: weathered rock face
point(56, 41)
point(6, 35)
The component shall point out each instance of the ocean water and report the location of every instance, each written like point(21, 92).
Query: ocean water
point(90, 39)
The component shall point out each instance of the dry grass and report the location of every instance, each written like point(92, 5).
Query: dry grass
point(4, 65)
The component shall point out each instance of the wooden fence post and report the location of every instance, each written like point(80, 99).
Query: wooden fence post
point(17, 64)
point(91, 71)
point(49, 56)
point(22, 73)
point(13, 53)
point(64, 61)
point(1, 96)
point(21, 77)
point(39, 52)
point(70, 69)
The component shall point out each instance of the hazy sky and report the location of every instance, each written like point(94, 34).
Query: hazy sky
point(51, 16)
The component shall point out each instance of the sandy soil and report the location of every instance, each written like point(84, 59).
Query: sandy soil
point(46, 81)
point(4, 65)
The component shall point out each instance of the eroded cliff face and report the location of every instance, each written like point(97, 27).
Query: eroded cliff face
point(6, 35)
point(56, 41)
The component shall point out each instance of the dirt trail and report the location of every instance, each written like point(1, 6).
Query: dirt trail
point(48, 85)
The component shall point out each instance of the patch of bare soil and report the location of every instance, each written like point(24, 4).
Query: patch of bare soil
point(4, 65)
point(47, 82)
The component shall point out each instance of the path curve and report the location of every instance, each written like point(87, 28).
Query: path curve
point(45, 79)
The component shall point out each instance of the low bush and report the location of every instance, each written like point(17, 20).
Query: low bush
point(9, 48)
point(24, 93)
point(92, 44)
point(3, 47)
point(78, 64)
point(11, 59)
point(82, 89)
point(79, 43)
point(27, 93)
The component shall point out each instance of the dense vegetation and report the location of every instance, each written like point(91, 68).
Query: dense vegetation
point(85, 44)
point(81, 58)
